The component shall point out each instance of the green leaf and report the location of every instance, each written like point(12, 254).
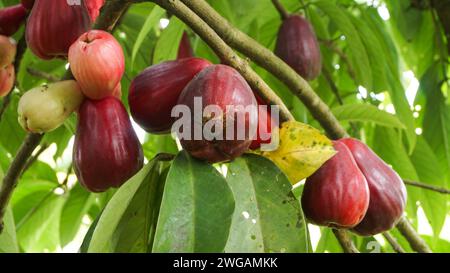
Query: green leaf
point(428, 169)
point(366, 113)
point(167, 45)
point(268, 217)
point(151, 21)
point(116, 212)
point(39, 232)
point(359, 57)
point(196, 209)
point(8, 241)
point(76, 207)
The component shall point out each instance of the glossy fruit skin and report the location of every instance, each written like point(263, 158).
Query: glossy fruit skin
point(222, 86)
point(107, 151)
point(94, 7)
point(155, 91)
point(11, 18)
point(45, 108)
point(336, 195)
point(264, 123)
point(97, 63)
point(54, 25)
point(297, 45)
point(185, 49)
point(387, 190)
point(27, 4)
point(7, 51)
point(7, 77)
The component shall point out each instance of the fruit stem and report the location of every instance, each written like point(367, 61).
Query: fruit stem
point(280, 8)
point(345, 241)
point(416, 242)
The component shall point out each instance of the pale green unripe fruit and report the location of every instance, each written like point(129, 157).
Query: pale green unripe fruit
point(45, 108)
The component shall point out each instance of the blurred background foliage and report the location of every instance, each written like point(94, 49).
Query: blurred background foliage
point(385, 76)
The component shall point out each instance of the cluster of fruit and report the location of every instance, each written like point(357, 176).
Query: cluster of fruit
point(355, 189)
point(58, 30)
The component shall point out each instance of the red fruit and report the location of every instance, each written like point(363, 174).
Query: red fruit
point(185, 48)
point(107, 151)
point(54, 25)
point(155, 91)
point(97, 63)
point(7, 51)
point(221, 86)
point(11, 18)
point(337, 195)
point(94, 7)
point(297, 45)
point(264, 125)
point(387, 190)
point(7, 77)
point(27, 4)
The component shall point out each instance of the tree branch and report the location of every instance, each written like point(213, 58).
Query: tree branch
point(414, 239)
point(269, 61)
point(393, 242)
point(284, 14)
point(427, 187)
point(225, 53)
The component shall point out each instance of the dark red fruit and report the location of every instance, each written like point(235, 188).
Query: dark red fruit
point(387, 190)
point(264, 125)
point(185, 48)
point(54, 25)
point(221, 86)
point(107, 151)
point(337, 195)
point(155, 91)
point(27, 4)
point(11, 18)
point(297, 45)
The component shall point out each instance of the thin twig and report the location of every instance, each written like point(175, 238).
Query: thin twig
point(427, 186)
point(393, 242)
point(41, 74)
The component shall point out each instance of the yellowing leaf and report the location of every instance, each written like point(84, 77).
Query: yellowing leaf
point(302, 150)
